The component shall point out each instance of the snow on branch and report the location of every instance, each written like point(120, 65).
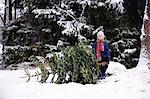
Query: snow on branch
point(97, 30)
point(71, 27)
point(112, 3)
point(129, 51)
point(116, 4)
point(91, 2)
point(2, 7)
point(48, 12)
point(43, 11)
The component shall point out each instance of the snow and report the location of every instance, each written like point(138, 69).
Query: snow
point(41, 59)
point(90, 2)
point(144, 59)
point(51, 47)
point(16, 47)
point(81, 38)
point(44, 11)
point(143, 33)
point(47, 30)
point(2, 7)
point(1, 48)
point(58, 54)
point(116, 3)
point(144, 19)
point(116, 68)
point(124, 84)
point(145, 12)
point(61, 43)
point(101, 4)
point(130, 50)
point(84, 2)
point(100, 28)
point(63, 5)
point(49, 55)
point(73, 27)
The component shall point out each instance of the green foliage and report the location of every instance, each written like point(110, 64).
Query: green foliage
point(15, 55)
point(75, 64)
point(44, 72)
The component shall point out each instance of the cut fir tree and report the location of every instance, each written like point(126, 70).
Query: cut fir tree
point(75, 64)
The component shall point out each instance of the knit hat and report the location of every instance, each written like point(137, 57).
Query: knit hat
point(100, 33)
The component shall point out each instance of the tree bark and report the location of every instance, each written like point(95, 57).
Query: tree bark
point(145, 37)
point(5, 12)
point(8, 11)
point(15, 13)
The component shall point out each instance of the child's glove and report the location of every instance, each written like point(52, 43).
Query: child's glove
point(102, 63)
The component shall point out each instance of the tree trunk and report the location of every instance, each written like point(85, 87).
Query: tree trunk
point(8, 11)
point(145, 37)
point(5, 12)
point(15, 9)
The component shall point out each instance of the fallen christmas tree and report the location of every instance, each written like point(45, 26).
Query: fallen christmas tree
point(75, 64)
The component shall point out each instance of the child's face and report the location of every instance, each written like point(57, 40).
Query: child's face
point(100, 37)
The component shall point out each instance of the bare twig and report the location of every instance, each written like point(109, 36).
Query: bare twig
point(29, 76)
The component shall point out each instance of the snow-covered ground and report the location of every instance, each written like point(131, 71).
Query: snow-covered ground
point(123, 84)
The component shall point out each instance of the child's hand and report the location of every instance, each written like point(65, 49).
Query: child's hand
point(103, 63)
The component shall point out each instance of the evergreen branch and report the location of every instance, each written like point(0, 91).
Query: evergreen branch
point(76, 21)
point(64, 11)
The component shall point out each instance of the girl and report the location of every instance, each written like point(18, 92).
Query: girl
point(101, 51)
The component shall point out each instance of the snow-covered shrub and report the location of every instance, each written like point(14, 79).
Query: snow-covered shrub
point(80, 17)
point(125, 46)
point(19, 32)
point(16, 54)
point(118, 4)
